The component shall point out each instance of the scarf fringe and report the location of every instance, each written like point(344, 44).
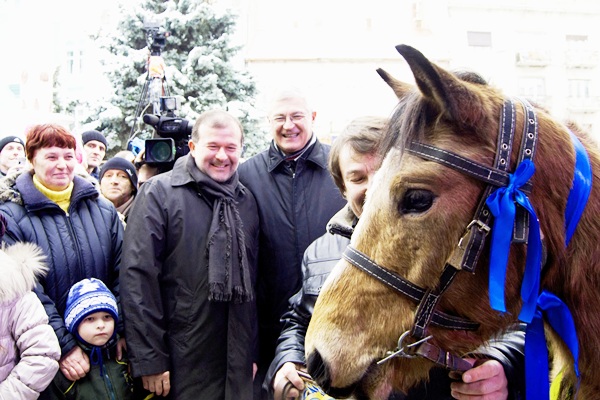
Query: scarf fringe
point(238, 296)
point(217, 292)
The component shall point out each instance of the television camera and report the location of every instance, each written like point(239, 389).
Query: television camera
point(171, 133)
point(174, 134)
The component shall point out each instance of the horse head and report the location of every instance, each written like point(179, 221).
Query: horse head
point(419, 211)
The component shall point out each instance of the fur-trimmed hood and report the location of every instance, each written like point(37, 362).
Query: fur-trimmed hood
point(20, 265)
point(8, 190)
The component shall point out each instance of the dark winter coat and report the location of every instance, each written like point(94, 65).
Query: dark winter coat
point(319, 259)
point(83, 243)
point(115, 383)
point(294, 208)
point(170, 324)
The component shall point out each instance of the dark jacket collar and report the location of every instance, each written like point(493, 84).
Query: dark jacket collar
point(180, 176)
point(316, 154)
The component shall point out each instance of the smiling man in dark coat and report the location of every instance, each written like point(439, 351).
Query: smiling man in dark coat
point(296, 198)
point(189, 266)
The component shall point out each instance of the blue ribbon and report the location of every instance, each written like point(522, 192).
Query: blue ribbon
point(580, 191)
point(536, 352)
point(502, 204)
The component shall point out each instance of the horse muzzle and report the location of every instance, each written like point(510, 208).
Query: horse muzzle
point(321, 373)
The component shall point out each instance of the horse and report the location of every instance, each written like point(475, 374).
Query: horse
point(409, 276)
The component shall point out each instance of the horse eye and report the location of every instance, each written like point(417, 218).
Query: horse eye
point(416, 201)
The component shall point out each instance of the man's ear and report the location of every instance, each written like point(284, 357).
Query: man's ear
point(314, 115)
point(192, 146)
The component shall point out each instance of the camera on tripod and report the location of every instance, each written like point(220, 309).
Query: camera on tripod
point(159, 40)
point(174, 132)
point(156, 37)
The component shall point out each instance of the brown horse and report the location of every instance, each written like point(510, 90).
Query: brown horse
point(416, 213)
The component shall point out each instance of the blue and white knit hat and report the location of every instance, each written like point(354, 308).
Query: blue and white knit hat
point(86, 297)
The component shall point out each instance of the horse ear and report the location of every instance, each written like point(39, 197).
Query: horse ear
point(400, 88)
point(448, 93)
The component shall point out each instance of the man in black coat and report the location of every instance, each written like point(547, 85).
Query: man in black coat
point(296, 197)
point(189, 269)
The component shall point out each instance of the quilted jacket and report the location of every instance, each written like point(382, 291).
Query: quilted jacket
point(29, 350)
point(83, 243)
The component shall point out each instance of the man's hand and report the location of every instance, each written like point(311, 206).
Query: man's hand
point(159, 384)
point(288, 373)
point(486, 381)
point(75, 365)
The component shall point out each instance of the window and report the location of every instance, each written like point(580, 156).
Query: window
point(579, 88)
point(533, 88)
point(479, 39)
point(75, 62)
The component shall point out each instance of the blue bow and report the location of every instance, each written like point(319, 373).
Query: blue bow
point(536, 352)
point(502, 206)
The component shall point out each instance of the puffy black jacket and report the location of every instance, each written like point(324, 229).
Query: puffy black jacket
point(83, 243)
point(319, 259)
point(294, 208)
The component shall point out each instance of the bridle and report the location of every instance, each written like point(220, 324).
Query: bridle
point(469, 247)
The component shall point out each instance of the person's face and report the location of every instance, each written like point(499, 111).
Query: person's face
point(218, 151)
point(95, 152)
point(116, 186)
point(357, 172)
point(291, 124)
point(9, 156)
point(97, 328)
point(54, 167)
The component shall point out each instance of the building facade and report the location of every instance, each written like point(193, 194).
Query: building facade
point(545, 50)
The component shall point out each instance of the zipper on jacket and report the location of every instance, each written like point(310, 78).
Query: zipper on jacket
point(75, 241)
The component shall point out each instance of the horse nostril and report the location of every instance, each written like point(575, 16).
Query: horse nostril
point(318, 370)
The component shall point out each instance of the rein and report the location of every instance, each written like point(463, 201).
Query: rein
point(505, 203)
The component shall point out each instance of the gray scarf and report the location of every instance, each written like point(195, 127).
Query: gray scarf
point(228, 271)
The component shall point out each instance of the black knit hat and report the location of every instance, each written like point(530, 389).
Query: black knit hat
point(93, 135)
point(122, 165)
point(11, 139)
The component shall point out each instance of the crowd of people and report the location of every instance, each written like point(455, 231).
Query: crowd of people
point(194, 283)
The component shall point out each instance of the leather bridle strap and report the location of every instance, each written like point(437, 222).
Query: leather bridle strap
point(403, 286)
point(467, 255)
point(443, 358)
point(491, 176)
point(468, 250)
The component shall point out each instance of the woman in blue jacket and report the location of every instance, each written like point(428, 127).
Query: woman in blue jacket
point(78, 230)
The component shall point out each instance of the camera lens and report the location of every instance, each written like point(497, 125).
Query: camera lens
point(161, 152)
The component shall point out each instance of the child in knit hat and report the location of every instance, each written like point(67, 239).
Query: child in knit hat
point(91, 316)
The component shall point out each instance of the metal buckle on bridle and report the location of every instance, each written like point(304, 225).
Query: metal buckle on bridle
point(400, 351)
point(456, 259)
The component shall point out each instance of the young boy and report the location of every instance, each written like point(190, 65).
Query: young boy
point(91, 316)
